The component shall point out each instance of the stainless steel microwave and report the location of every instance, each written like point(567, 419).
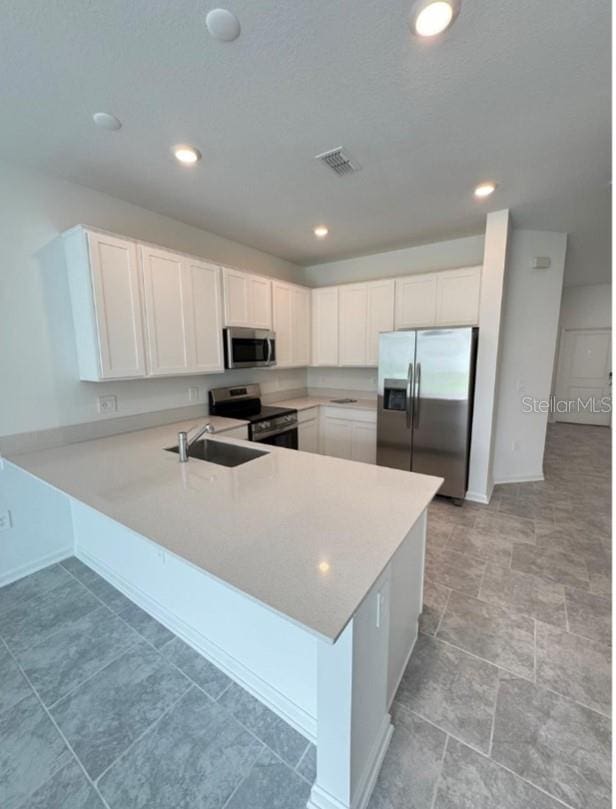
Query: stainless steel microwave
point(249, 348)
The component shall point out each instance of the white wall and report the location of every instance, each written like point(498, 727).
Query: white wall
point(38, 367)
point(464, 252)
point(530, 331)
point(586, 307)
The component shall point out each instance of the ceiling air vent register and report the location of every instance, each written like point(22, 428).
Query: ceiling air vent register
point(339, 160)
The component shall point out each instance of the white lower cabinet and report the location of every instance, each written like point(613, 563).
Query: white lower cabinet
point(349, 434)
point(308, 430)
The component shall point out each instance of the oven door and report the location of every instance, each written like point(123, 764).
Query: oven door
point(249, 348)
point(285, 438)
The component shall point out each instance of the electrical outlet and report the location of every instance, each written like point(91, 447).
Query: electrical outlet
point(107, 404)
point(5, 520)
point(193, 394)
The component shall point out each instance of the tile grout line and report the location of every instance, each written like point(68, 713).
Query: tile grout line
point(242, 780)
point(150, 727)
point(94, 673)
point(437, 780)
point(482, 659)
point(488, 758)
point(190, 679)
point(440, 620)
point(498, 685)
point(62, 736)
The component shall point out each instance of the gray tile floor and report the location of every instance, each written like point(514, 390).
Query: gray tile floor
point(505, 703)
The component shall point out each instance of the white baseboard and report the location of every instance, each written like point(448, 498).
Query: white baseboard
point(38, 564)
point(285, 708)
point(478, 497)
point(538, 476)
point(321, 799)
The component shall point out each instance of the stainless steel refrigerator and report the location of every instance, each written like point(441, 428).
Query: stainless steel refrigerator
point(425, 403)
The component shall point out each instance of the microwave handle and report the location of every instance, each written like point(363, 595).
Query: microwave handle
point(269, 350)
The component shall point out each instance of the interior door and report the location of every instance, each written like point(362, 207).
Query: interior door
point(584, 377)
point(394, 406)
point(444, 360)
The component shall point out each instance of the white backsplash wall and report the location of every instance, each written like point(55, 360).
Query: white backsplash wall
point(39, 384)
point(351, 379)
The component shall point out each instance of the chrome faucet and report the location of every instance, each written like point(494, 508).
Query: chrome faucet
point(185, 443)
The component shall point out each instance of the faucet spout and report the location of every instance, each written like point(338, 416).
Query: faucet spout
point(185, 443)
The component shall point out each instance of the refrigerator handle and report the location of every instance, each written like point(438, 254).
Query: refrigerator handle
point(417, 394)
point(409, 395)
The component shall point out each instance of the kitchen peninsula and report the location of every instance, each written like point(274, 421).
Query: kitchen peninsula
point(297, 574)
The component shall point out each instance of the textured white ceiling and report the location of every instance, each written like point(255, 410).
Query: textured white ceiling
point(517, 91)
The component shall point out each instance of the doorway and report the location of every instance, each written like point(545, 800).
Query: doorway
point(585, 377)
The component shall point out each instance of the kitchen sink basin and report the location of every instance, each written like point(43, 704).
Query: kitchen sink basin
point(220, 453)
point(343, 401)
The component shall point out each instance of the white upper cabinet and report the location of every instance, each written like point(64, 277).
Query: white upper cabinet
point(248, 299)
point(300, 325)
point(449, 298)
point(204, 316)
point(281, 316)
point(365, 311)
point(182, 310)
point(353, 314)
point(105, 289)
point(325, 326)
point(291, 322)
point(415, 301)
point(167, 312)
point(458, 294)
point(380, 316)
point(140, 310)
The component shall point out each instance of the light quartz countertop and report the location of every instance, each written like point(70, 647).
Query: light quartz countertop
point(304, 534)
point(306, 402)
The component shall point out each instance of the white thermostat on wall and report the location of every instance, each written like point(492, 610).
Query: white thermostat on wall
point(541, 263)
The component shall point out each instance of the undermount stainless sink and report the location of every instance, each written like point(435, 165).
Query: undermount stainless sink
point(343, 401)
point(220, 453)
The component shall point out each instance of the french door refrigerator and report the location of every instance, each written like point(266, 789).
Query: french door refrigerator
point(425, 403)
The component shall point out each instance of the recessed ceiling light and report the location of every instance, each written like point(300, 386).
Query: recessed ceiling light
point(320, 231)
point(104, 120)
point(431, 17)
point(186, 154)
point(222, 24)
point(484, 190)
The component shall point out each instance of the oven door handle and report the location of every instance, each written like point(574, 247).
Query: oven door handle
point(271, 433)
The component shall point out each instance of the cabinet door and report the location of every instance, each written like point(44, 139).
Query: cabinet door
point(259, 302)
point(458, 297)
point(415, 301)
point(114, 270)
point(308, 436)
point(166, 307)
point(380, 316)
point(363, 444)
point(204, 316)
point(300, 326)
point(325, 326)
point(337, 437)
point(282, 320)
point(353, 327)
point(235, 286)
